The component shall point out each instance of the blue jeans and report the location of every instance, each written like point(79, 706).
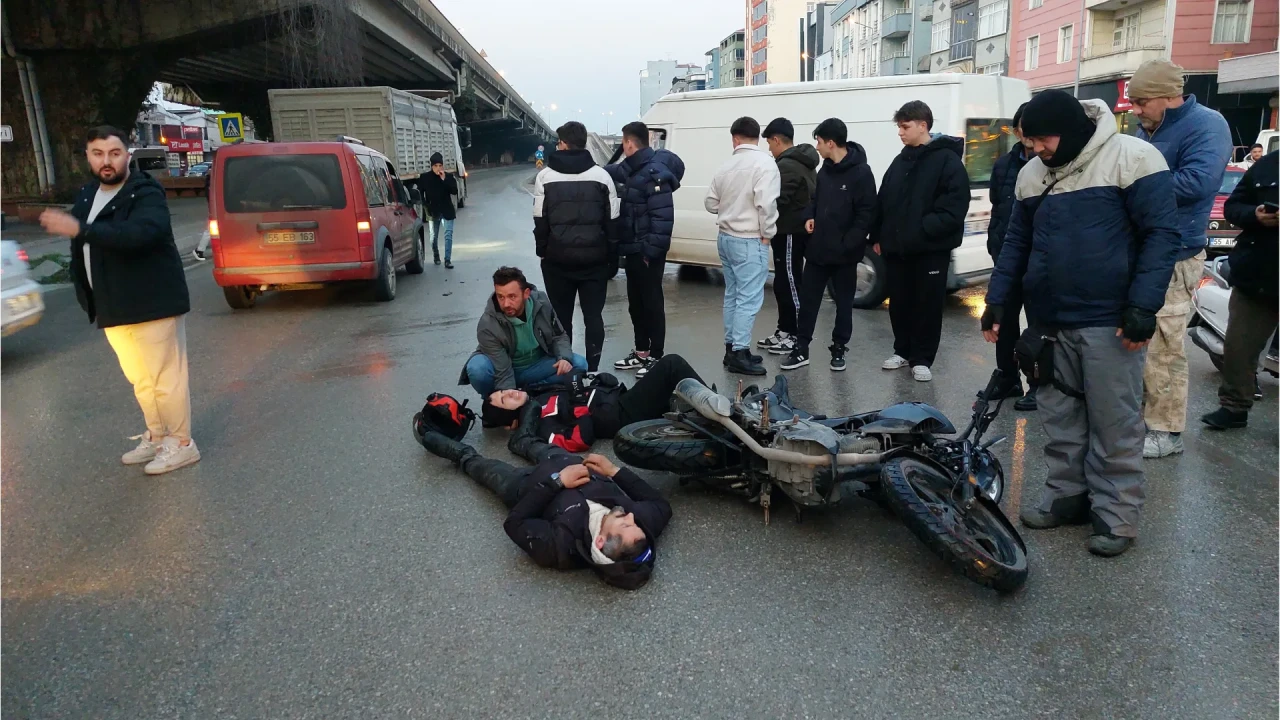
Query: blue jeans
point(447, 225)
point(480, 372)
point(745, 264)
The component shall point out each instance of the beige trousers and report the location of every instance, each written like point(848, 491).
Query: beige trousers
point(153, 356)
point(1164, 397)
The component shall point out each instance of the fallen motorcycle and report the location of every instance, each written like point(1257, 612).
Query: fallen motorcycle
point(946, 490)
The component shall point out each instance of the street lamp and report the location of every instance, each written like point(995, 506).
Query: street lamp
point(608, 116)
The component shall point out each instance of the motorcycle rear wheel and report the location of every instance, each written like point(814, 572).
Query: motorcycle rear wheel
point(979, 543)
point(669, 447)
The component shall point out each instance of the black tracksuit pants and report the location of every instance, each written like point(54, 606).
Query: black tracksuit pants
point(844, 283)
point(1010, 330)
point(646, 305)
point(505, 480)
point(788, 272)
point(917, 295)
point(650, 397)
point(590, 287)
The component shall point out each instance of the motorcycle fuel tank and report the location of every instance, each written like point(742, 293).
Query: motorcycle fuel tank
point(909, 418)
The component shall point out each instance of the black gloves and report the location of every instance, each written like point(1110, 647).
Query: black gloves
point(1137, 324)
point(993, 315)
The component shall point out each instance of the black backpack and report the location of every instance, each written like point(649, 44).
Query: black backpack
point(445, 415)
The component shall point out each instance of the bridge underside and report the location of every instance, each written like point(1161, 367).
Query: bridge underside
point(94, 63)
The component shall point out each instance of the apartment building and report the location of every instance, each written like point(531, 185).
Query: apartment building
point(659, 75)
point(732, 70)
point(970, 36)
point(815, 37)
point(1100, 43)
point(775, 53)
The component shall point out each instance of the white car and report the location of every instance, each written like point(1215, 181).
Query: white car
point(22, 298)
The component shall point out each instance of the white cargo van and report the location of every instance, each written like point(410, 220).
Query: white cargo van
point(977, 108)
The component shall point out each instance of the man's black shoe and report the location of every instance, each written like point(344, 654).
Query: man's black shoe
point(1108, 545)
point(1026, 403)
point(1224, 419)
point(837, 357)
point(1063, 511)
point(1011, 388)
point(728, 353)
point(445, 447)
point(797, 359)
point(740, 362)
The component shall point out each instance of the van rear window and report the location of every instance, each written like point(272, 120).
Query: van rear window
point(282, 183)
point(985, 140)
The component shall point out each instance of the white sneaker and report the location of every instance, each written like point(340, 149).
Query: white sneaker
point(172, 455)
point(921, 373)
point(784, 347)
point(773, 340)
point(145, 452)
point(894, 362)
point(630, 362)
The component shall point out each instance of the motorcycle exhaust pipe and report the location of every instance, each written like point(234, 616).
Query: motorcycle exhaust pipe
point(714, 406)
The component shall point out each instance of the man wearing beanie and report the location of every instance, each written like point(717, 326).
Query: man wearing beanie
point(438, 190)
point(1092, 240)
point(1196, 143)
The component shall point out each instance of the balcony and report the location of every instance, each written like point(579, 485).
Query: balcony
point(895, 61)
point(897, 22)
point(1103, 62)
point(962, 50)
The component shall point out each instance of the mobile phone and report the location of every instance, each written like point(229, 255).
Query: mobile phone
point(1271, 207)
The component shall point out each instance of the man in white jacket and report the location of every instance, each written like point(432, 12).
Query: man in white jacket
point(744, 197)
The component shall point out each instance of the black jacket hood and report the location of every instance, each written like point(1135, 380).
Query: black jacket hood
point(853, 157)
point(806, 154)
point(946, 142)
point(570, 162)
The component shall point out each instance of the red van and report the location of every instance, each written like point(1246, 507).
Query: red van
point(290, 216)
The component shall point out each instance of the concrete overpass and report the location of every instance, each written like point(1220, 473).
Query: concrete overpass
point(86, 62)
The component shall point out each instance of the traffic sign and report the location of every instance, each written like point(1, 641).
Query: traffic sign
point(6, 133)
point(231, 127)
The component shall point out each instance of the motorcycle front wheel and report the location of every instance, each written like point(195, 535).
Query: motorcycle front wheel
point(979, 543)
point(669, 447)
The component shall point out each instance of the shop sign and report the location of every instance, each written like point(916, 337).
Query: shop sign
point(1122, 103)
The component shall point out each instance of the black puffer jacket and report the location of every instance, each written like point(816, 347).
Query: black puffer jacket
point(923, 200)
point(797, 166)
point(438, 194)
point(137, 270)
point(575, 208)
point(1004, 180)
point(843, 210)
point(646, 181)
point(552, 525)
point(1255, 263)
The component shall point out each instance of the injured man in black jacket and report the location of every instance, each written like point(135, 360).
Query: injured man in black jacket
point(573, 412)
point(566, 512)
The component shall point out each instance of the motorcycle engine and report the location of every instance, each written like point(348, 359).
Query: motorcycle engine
point(802, 483)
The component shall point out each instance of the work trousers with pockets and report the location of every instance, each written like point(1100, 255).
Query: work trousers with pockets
point(917, 296)
point(153, 356)
point(1094, 448)
point(788, 274)
point(645, 303)
point(1252, 322)
point(843, 280)
point(1164, 396)
point(591, 290)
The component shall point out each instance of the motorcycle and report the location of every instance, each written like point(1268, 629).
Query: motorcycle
point(946, 490)
point(1208, 324)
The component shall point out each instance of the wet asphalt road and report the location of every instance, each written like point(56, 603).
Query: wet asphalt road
point(318, 564)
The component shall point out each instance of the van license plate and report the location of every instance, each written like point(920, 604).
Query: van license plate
point(290, 238)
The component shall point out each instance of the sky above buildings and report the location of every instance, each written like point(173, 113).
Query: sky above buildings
point(587, 54)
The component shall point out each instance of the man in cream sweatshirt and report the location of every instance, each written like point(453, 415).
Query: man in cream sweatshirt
point(744, 197)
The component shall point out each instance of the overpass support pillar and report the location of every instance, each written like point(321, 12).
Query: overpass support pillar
point(78, 90)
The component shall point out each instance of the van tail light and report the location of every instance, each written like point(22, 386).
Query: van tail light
point(364, 237)
point(215, 238)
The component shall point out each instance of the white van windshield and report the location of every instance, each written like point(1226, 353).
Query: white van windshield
point(985, 140)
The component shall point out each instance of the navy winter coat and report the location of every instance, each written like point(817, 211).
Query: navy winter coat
point(1004, 180)
point(646, 181)
point(1103, 238)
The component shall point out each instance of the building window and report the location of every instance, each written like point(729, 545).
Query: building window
point(1124, 36)
point(760, 56)
point(759, 34)
point(1066, 36)
point(993, 19)
point(964, 21)
point(941, 36)
point(1033, 4)
point(1032, 61)
point(759, 11)
point(1231, 21)
point(759, 78)
point(996, 69)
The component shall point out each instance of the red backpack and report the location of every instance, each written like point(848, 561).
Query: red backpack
point(447, 416)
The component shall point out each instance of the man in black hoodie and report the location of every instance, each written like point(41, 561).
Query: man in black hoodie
point(128, 277)
point(566, 512)
point(797, 165)
point(924, 198)
point(838, 219)
point(575, 206)
point(439, 188)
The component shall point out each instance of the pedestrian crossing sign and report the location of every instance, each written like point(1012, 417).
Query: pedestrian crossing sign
point(231, 127)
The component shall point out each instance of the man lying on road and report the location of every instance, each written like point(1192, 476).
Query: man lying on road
point(580, 412)
point(521, 342)
point(566, 512)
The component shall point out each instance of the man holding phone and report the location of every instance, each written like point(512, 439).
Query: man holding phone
point(439, 188)
point(1254, 293)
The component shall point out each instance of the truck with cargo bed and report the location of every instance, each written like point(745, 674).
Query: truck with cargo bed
point(405, 127)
